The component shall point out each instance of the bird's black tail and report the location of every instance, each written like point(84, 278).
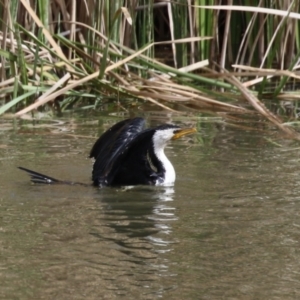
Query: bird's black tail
point(41, 178)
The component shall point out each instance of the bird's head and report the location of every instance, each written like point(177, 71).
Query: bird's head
point(167, 132)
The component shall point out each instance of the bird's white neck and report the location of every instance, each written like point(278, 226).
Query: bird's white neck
point(169, 176)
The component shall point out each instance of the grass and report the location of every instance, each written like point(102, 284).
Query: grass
point(78, 54)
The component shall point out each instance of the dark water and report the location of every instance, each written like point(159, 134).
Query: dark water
point(228, 229)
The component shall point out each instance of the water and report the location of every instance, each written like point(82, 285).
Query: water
point(228, 229)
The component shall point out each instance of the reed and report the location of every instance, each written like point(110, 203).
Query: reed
point(79, 53)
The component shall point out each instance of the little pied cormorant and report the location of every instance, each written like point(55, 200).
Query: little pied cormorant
point(129, 154)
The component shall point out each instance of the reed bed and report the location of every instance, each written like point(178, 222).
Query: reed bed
point(71, 53)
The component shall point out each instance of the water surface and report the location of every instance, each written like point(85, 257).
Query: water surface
point(228, 229)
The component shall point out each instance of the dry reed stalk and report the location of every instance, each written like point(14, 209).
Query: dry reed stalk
point(260, 107)
point(260, 73)
point(44, 99)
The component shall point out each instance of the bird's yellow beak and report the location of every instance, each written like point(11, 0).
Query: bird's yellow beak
point(184, 131)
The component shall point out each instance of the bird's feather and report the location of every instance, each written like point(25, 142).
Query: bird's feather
point(45, 179)
point(110, 146)
point(131, 166)
point(40, 178)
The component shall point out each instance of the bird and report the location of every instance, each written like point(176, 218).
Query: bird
point(128, 154)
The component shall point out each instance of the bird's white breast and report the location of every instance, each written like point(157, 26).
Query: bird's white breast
point(160, 140)
point(170, 174)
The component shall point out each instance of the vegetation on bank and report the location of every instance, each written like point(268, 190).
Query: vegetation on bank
point(173, 54)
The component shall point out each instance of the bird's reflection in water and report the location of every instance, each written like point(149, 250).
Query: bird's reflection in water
point(139, 212)
point(163, 214)
point(138, 233)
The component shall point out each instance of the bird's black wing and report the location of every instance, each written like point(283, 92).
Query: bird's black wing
point(137, 164)
point(111, 145)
